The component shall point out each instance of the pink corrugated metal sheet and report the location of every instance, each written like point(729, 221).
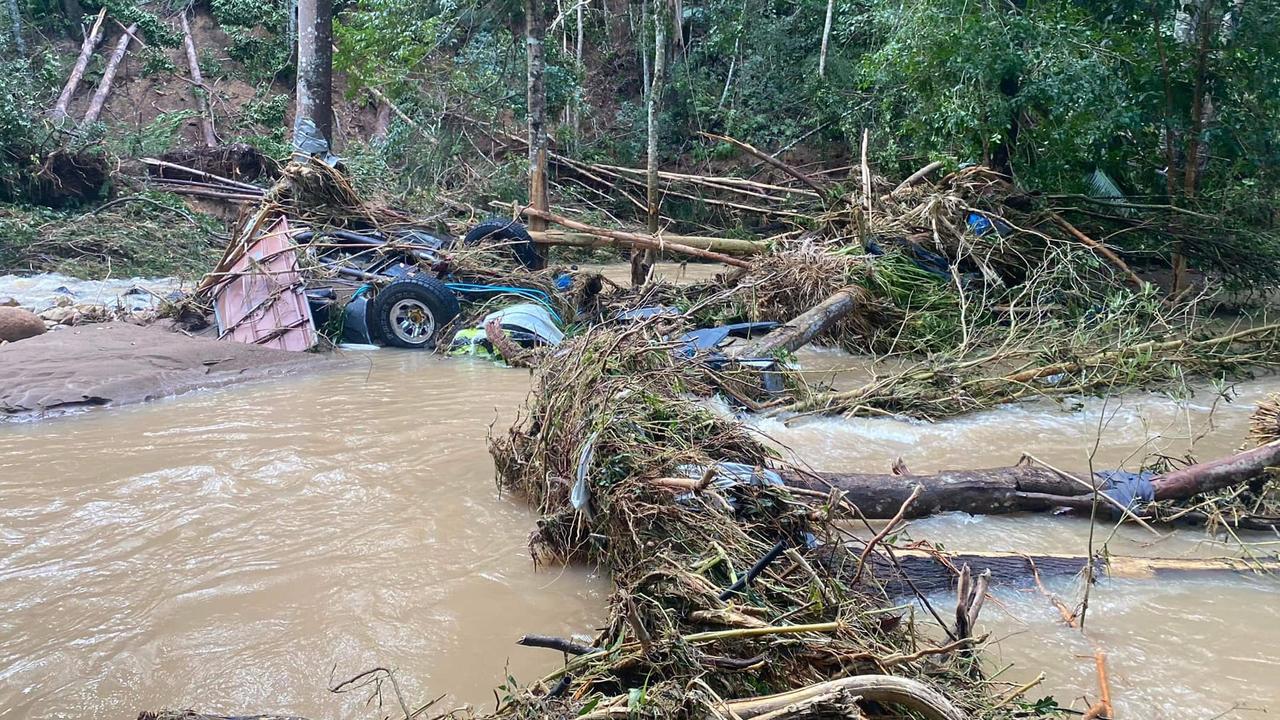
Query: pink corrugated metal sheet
point(262, 302)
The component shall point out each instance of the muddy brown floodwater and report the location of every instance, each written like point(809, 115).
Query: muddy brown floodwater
point(1175, 648)
point(239, 550)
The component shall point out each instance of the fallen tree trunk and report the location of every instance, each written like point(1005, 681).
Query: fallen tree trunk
point(1018, 488)
point(989, 491)
point(198, 87)
point(767, 158)
point(635, 240)
point(797, 333)
point(728, 246)
point(91, 39)
point(108, 76)
point(1217, 474)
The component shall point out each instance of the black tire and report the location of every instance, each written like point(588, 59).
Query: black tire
point(513, 237)
point(400, 312)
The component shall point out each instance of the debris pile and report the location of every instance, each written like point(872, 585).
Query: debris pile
point(722, 598)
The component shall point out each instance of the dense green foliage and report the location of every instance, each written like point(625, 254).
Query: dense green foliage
point(1051, 90)
point(1156, 102)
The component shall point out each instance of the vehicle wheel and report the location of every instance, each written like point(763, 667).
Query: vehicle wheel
point(512, 237)
point(411, 311)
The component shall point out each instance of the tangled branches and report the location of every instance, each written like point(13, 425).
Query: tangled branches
point(629, 469)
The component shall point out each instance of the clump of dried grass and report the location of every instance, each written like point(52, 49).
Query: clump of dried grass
point(1264, 425)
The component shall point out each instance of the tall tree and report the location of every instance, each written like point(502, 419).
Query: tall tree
point(315, 65)
point(826, 38)
point(642, 262)
point(15, 22)
point(535, 34)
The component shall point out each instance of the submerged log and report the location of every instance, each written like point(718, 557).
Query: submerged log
point(931, 573)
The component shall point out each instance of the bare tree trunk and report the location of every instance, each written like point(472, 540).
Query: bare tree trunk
point(535, 36)
point(826, 38)
point(641, 44)
point(109, 76)
point(15, 18)
point(315, 65)
point(728, 80)
point(198, 87)
point(77, 73)
point(642, 263)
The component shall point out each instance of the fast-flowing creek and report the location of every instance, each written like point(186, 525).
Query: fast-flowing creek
point(241, 550)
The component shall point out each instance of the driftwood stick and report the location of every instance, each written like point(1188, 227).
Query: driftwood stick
point(199, 89)
point(916, 177)
point(635, 240)
point(108, 76)
point(564, 645)
point(91, 39)
point(767, 158)
point(884, 532)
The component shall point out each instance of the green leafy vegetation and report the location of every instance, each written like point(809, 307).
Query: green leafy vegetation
point(259, 36)
point(150, 237)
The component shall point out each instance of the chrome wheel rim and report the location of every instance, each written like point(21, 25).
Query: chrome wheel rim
point(412, 321)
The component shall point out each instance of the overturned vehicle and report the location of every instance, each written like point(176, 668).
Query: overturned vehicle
point(288, 285)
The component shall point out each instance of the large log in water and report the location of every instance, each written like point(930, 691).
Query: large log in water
point(1018, 488)
point(990, 491)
